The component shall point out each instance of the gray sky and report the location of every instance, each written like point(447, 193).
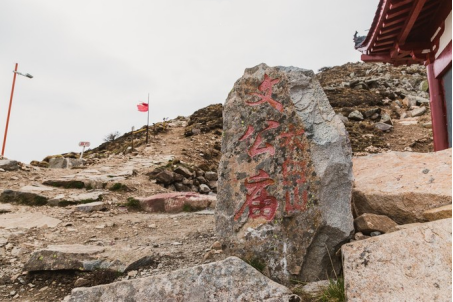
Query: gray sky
point(93, 61)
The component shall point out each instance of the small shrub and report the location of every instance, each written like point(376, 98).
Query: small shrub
point(112, 136)
point(187, 208)
point(334, 292)
point(257, 264)
point(133, 203)
point(117, 187)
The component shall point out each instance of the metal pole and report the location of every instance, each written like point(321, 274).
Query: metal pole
point(9, 111)
point(83, 150)
point(147, 124)
point(132, 133)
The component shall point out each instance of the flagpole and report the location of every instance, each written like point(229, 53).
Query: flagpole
point(147, 124)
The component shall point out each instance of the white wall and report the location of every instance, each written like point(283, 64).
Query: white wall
point(446, 36)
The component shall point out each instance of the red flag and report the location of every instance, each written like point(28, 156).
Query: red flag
point(142, 107)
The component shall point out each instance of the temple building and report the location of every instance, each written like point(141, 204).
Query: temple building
point(416, 32)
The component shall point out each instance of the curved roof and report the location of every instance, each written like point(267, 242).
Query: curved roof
point(405, 31)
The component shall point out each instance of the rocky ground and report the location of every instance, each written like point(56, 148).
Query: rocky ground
point(174, 240)
point(384, 108)
point(184, 152)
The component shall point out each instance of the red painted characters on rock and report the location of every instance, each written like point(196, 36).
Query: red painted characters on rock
point(266, 87)
point(256, 147)
point(260, 204)
point(294, 172)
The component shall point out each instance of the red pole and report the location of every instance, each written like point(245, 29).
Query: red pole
point(9, 111)
point(438, 113)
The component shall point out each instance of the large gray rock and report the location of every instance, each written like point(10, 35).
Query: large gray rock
point(285, 175)
point(176, 202)
point(9, 165)
point(413, 264)
point(229, 280)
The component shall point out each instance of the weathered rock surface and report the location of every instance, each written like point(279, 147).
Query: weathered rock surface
point(64, 163)
point(229, 280)
point(176, 202)
point(402, 185)
point(408, 265)
point(5, 208)
point(438, 213)
point(9, 165)
point(313, 289)
point(27, 220)
point(91, 206)
point(285, 175)
point(88, 258)
point(368, 223)
point(41, 195)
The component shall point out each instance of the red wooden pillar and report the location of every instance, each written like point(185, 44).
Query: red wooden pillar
point(438, 110)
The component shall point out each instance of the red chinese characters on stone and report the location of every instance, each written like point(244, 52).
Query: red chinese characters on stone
point(256, 147)
point(294, 179)
point(260, 204)
point(294, 172)
point(266, 87)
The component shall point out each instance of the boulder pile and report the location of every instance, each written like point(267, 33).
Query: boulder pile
point(177, 176)
point(373, 99)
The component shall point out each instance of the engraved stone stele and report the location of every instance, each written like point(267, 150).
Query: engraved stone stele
point(285, 176)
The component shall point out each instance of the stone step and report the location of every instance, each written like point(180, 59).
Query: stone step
point(229, 280)
point(41, 195)
point(413, 264)
point(402, 185)
point(177, 202)
point(88, 257)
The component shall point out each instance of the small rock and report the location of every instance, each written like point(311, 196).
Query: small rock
point(183, 171)
point(428, 125)
point(385, 118)
point(374, 234)
point(216, 245)
point(368, 223)
point(360, 236)
point(343, 118)
point(418, 111)
point(382, 126)
point(90, 207)
point(132, 274)
point(9, 165)
point(211, 176)
point(313, 289)
point(80, 282)
point(438, 213)
point(165, 177)
point(424, 86)
point(355, 115)
point(204, 189)
point(425, 171)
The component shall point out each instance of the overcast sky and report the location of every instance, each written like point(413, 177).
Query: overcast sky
point(93, 61)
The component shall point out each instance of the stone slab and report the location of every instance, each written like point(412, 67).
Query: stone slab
point(402, 185)
point(229, 280)
point(9, 165)
point(27, 220)
point(438, 213)
point(413, 264)
point(89, 258)
point(176, 202)
point(90, 207)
